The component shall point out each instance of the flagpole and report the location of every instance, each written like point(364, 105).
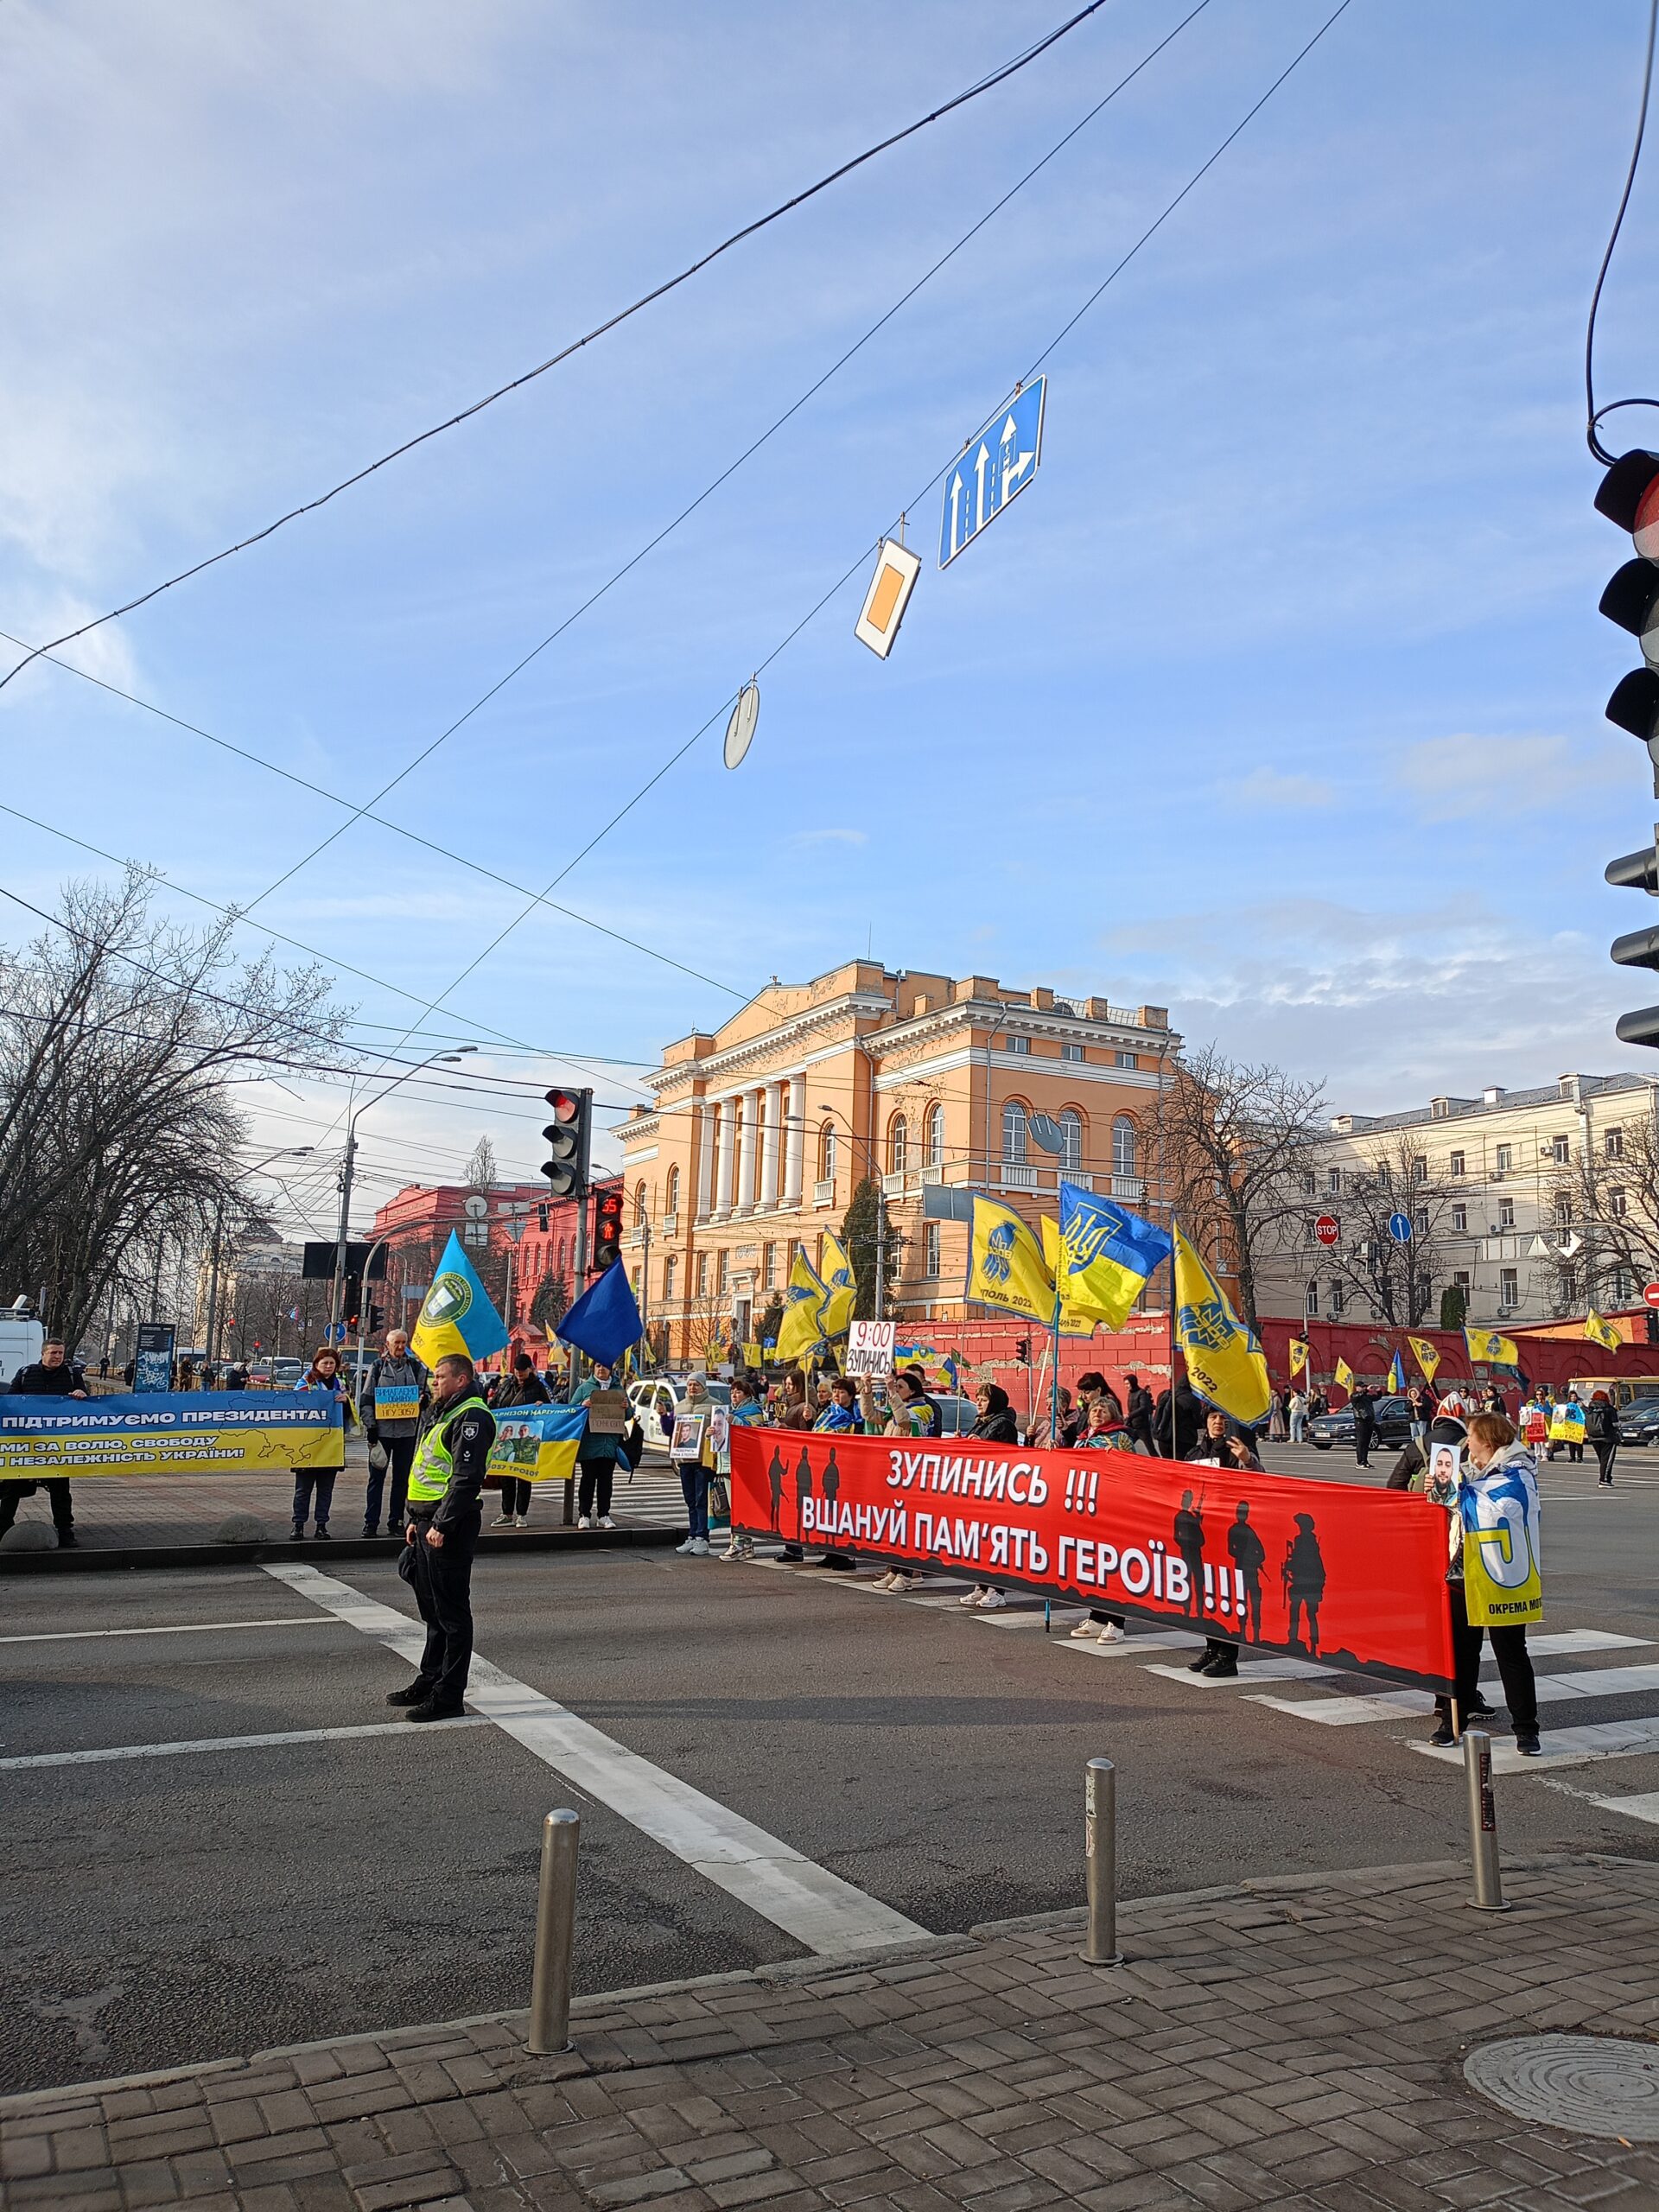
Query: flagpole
point(1174, 1441)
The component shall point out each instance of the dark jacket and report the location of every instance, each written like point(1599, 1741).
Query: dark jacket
point(996, 1425)
point(525, 1390)
point(41, 1382)
point(1140, 1414)
point(1207, 1451)
point(1599, 1425)
point(1363, 1406)
point(1189, 1422)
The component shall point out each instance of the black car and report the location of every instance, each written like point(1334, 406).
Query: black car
point(1393, 1426)
point(1638, 1423)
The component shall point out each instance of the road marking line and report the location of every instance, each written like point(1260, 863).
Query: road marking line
point(183, 1628)
point(1645, 1808)
point(1345, 1712)
point(819, 1909)
point(1608, 1739)
point(1250, 1670)
point(1582, 1639)
point(229, 1743)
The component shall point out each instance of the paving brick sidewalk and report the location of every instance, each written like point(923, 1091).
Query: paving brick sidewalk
point(1284, 2043)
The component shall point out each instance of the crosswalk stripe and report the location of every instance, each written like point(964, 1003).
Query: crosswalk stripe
point(1133, 1643)
point(1643, 1808)
point(1251, 1670)
point(1582, 1639)
point(1607, 1739)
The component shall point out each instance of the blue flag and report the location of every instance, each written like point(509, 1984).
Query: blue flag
point(604, 1321)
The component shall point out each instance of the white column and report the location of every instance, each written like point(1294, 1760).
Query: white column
point(702, 1160)
point(773, 1097)
point(748, 1151)
point(795, 1140)
point(725, 1153)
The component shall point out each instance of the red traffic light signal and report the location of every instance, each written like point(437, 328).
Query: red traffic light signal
point(607, 1228)
point(567, 1138)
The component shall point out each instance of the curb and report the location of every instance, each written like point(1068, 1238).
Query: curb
point(95, 1561)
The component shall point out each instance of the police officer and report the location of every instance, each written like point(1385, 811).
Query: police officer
point(451, 1460)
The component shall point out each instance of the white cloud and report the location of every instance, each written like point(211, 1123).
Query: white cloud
point(1271, 788)
point(1465, 774)
point(830, 837)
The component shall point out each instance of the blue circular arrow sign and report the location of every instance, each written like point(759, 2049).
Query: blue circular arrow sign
point(1399, 1228)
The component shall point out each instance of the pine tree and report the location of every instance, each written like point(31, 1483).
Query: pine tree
point(1454, 1303)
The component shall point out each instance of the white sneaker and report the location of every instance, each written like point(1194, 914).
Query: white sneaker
point(972, 1599)
point(688, 1547)
point(1086, 1628)
point(1111, 1634)
point(884, 1581)
point(584, 1521)
point(502, 1521)
point(523, 1520)
point(698, 1548)
point(606, 1521)
point(992, 1602)
point(903, 1582)
point(731, 1551)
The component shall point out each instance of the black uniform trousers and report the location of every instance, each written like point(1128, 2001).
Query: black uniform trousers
point(57, 1489)
point(442, 1582)
point(1514, 1666)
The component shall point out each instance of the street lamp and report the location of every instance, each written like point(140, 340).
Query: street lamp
point(337, 1287)
point(288, 1152)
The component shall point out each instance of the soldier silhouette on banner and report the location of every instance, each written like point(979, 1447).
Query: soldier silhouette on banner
point(803, 1491)
point(1303, 1575)
point(1249, 1555)
point(1189, 1542)
point(775, 1474)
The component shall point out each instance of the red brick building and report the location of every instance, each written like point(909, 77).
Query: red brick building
point(420, 1220)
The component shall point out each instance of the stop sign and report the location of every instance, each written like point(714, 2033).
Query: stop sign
point(1651, 1294)
point(1327, 1229)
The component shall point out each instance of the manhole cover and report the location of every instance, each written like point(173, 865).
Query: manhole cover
point(1593, 2085)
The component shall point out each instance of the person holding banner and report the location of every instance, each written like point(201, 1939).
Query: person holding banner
point(1219, 1446)
point(524, 1387)
point(51, 1375)
point(394, 1397)
point(996, 1425)
point(1493, 1584)
point(323, 1374)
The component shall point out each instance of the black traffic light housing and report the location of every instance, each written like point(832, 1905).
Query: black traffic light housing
point(1630, 496)
point(607, 1228)
point(570, 1136)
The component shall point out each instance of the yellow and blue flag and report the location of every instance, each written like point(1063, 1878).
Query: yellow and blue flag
point(456, 1315)
point(1397, 1374)
point(1497, 1351)
point(1601, 1333)
point(1006, 1266)
point(1426, 1356)
point(1075, 1321)
point(1298, 1357)
point(800, 1333)
point(840, 1292)
point(1107, 1255)
point(1224, 1363)
point(1344, 1376)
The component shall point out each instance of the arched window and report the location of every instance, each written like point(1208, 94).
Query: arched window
point(1122, 1146)
point(1015, 1130)
point(827, 1153)
point(672, 1199)
point(1070, 1142)
point(639, 1205)
point(670, 1269)
point(898, 1144)
point(562, 1253)
point(936, 1136)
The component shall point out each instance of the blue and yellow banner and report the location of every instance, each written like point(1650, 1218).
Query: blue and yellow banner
point(839, 1290)
point(1108, 1255)
point(1075, 1321)
point(171, 1433)
point(1224, 1363)
point(1502, 1561)
point(1006, 1266)
point(800, 1333)
point(537, 1444)
point(456, 1314)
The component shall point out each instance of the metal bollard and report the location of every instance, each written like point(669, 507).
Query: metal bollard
point(1483, 1822)
point(1100, 1863)
point(556, 1927)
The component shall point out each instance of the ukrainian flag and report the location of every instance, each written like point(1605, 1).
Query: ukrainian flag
point(1426, 1356)
point(839, 1290)
point(456, 1315)
point(1601, 1333)
point(1494, 1349)
point(1107, 1254)
point(1006, 1266)
point(1397, 1374)
point(800, 1333)
point(1075, 1321)
point(1223, 1361)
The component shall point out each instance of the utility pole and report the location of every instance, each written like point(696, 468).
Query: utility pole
point(880, 1249)
point(212, 1329)
point(337, 1289)
point(644, 1280)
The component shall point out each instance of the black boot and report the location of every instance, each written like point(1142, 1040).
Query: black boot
point(418, 1693)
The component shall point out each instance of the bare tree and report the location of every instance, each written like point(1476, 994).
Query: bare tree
point(483, 1171)
point(1395, 1281)
point(1238, 1146)
point(120, 1034)
point(1604, 1224)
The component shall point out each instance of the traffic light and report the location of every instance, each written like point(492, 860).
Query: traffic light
point(607, 1228)
point(1022, 1351)
point(569, 1135)
point(376, 1319)
point(1630, 496)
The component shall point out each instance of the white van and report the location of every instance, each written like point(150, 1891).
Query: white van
point(21, 1339)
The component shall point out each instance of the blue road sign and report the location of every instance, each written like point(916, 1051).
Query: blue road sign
point(991, 469)
point(1399, 1228)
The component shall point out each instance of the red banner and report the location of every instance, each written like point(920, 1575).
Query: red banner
point(1352, 1577)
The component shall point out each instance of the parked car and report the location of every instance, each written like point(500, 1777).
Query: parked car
point(1639, 1423)
point(1393, 1426)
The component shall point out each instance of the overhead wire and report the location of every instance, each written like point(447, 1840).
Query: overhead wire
point(976, 91)
point(1593, 413)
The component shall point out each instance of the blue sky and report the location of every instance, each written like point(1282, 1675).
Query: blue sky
point(1277, 698)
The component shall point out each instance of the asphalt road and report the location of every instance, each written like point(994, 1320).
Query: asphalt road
point(180, 1906)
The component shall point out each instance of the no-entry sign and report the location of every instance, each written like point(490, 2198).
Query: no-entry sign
point(1651, 1294)
point(1327, 1229)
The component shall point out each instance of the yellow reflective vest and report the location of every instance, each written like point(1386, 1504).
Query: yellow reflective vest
point(429, 1478)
